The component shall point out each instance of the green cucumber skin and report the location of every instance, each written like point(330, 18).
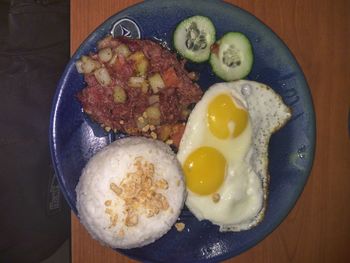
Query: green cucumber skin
point(216, 64)
point(192, 57)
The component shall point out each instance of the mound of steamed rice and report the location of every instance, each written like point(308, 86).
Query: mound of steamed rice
point(130, 193)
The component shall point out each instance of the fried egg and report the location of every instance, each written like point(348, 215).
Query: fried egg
point(224, 153)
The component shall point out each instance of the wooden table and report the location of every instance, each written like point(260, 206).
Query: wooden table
point(318, 33)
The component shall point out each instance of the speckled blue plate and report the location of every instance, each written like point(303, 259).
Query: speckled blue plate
point(74, 138)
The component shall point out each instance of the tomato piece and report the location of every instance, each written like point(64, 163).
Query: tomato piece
point(170, 78)
point(176, 133)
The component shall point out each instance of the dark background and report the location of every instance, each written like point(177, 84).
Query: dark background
point(34, 48)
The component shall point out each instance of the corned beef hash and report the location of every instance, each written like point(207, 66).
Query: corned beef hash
point(137, 87)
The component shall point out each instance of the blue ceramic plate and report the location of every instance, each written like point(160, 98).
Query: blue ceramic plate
point(74, 138)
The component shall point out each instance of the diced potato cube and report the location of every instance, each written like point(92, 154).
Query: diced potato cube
point(137, 56)
point(122, 50)
point(156, 82)
point(87, 65)
point(113, 59)
point(103, 76)
point(105, 54)
point(141, 62)
point(119, 95)
point(136, 82)
point(153, 115)
point(142, 67)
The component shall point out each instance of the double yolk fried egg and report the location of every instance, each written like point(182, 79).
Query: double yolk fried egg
point(224, 153)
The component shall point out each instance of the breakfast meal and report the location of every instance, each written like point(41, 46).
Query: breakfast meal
point(224, 153)
point(131, 192)
point(137, 87)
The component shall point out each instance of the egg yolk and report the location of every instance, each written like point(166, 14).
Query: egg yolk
point(204, 170)
point(223, 114)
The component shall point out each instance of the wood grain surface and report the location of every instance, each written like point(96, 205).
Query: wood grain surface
point(318, 34)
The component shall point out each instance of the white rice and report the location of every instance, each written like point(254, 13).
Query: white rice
point(111, 165)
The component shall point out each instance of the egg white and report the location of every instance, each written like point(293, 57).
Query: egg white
point(243, 193)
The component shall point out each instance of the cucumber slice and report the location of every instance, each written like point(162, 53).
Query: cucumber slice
point(232, 57)
point(193, 38)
